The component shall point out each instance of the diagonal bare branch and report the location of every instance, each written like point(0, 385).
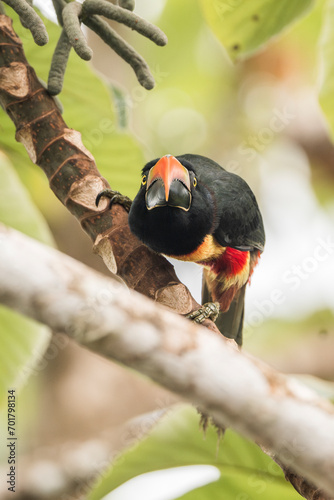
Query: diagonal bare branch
point(239, 391)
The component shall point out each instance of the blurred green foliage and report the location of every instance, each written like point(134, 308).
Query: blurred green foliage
point(23, 343)
point(16, 206)
point(22, 340)
point(243, 27)
point(283, 332)
point(327, 65)
point(196, 91)
point(177, 441)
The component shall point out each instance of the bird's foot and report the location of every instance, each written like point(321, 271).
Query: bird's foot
point(204, 423)
point(115, 198)
point(210, 310)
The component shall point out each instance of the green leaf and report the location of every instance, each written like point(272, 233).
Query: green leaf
point(22, 340)
point(16, 206)
point(244, 26)
point(326, 57)
point(177, 440)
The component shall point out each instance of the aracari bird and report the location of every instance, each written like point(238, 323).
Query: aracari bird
point(189, 208)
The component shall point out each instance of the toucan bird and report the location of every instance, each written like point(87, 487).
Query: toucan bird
point(189, 208)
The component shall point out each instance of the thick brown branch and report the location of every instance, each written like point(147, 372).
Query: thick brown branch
point(76, 181)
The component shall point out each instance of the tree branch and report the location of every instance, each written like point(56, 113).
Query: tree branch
point(59, 63)
point(75, 180)
point(285, 417)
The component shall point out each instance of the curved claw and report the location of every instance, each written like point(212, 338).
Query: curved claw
point(108, 193)
point(115, 197)
point(210, 310)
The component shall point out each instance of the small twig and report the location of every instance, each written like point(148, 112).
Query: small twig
point(106, 9)
point(71, 15)
point(58, 64)
point(58, 6)
point(2, 10)
point(304, 487)
point(123, 49)
point(127, 4)
point(24, 23)
point(30, 20)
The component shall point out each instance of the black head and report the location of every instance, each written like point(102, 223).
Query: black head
point(172, 212)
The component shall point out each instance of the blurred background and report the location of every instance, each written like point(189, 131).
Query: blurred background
point(260, 119)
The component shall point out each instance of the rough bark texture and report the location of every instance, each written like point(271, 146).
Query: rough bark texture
point(75, 180)
point(305, 488)
point(286, 418)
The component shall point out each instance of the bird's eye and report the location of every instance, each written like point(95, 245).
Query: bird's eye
point(195, 182)
point(143, 180)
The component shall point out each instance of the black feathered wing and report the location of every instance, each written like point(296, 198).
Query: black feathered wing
point(238, 221)
point(237, 224)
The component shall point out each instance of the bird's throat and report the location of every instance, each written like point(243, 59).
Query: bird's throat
point(226, 265)
point(208, 250)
